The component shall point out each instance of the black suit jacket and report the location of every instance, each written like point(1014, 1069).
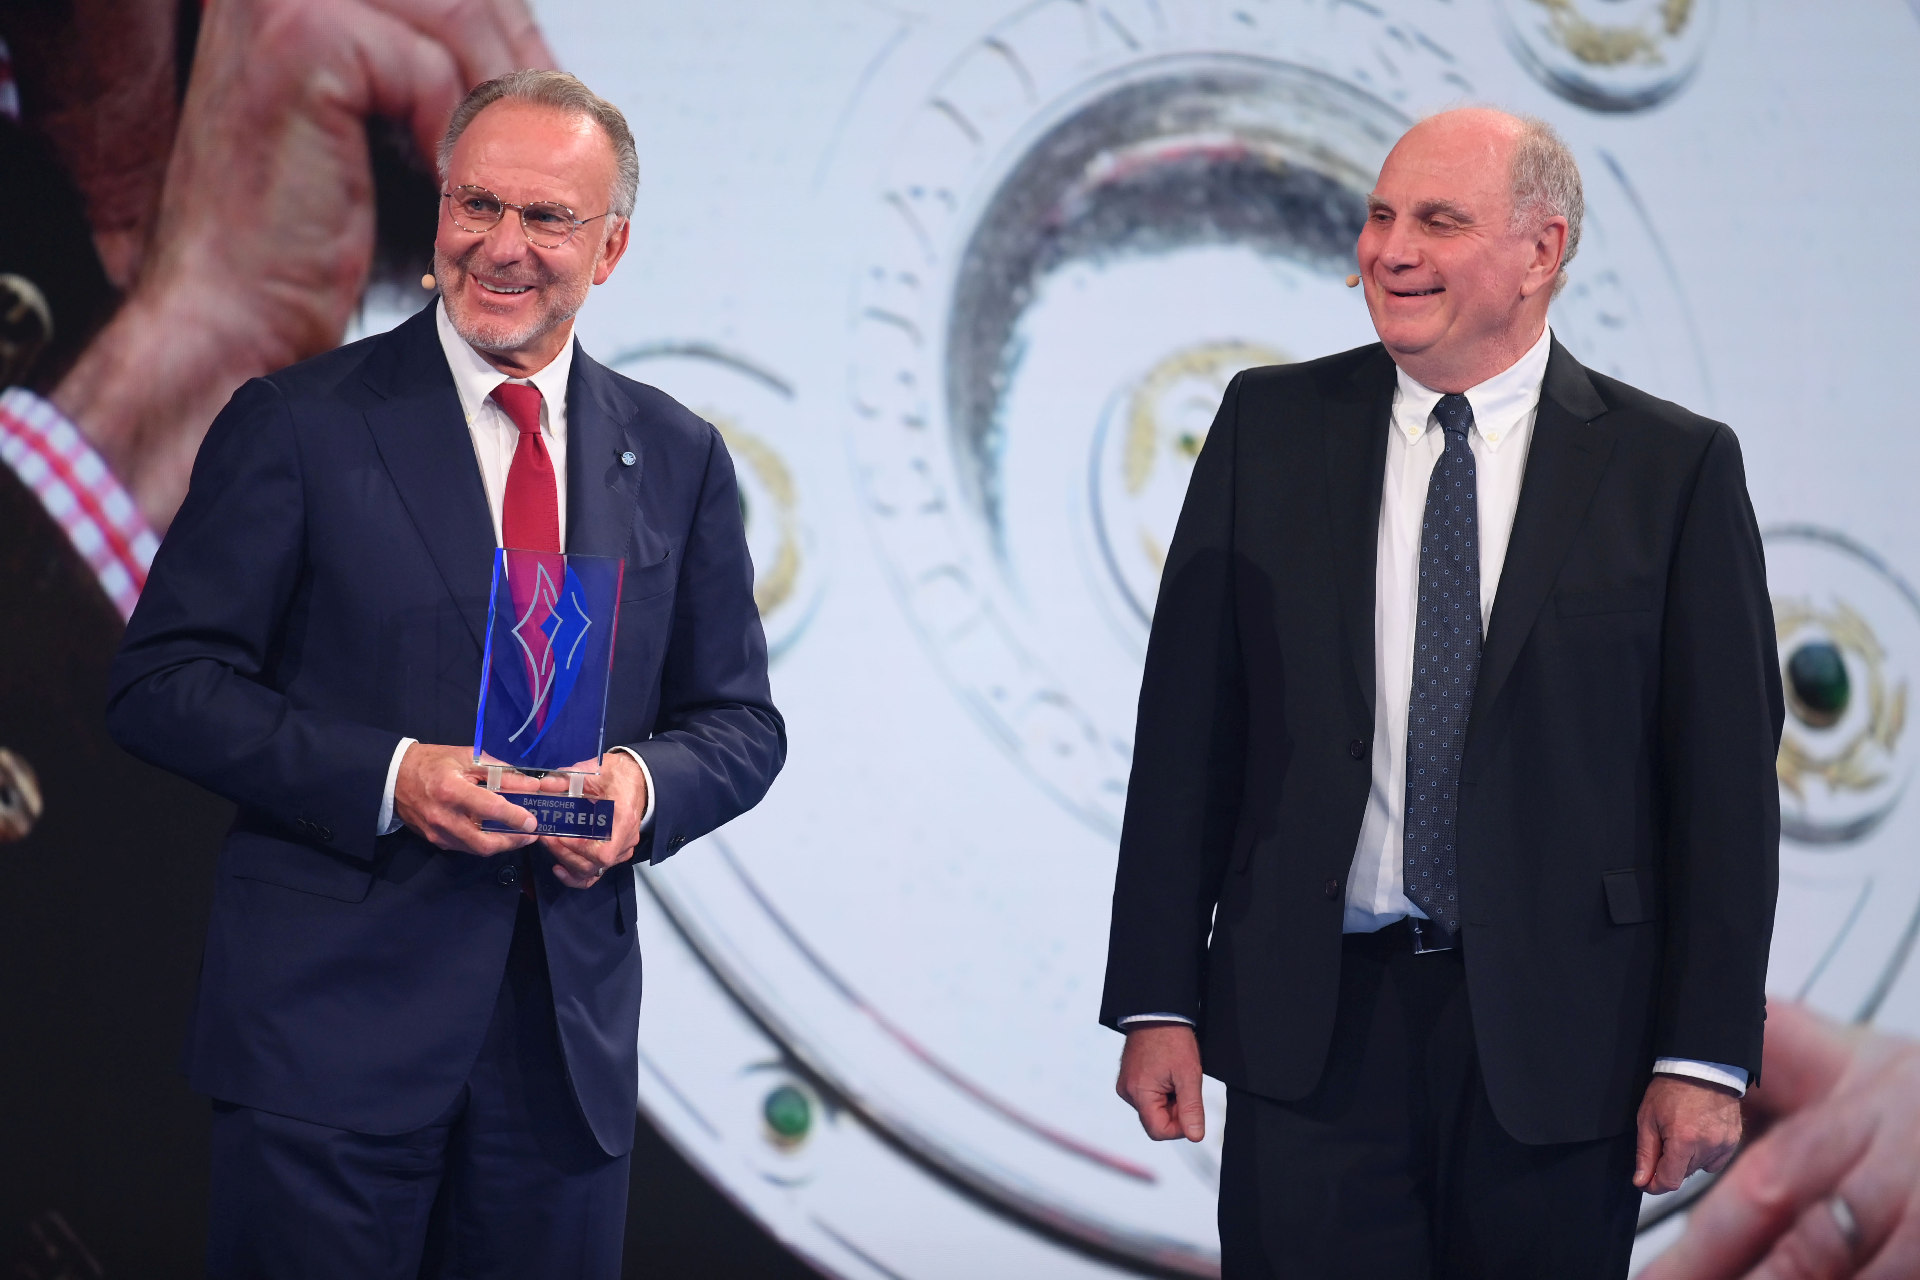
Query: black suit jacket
point(1619, 817)
point(323, 593)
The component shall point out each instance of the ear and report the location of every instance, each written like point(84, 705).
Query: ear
point(611, 251)
point(1543, 264)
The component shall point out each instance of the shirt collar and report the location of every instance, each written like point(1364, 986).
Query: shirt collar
point(474, 378)
point(1499, 404)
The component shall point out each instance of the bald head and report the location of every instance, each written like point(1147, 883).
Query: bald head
point(1468, 230)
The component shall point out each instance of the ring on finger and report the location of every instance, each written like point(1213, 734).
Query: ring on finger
point(1844, 1219)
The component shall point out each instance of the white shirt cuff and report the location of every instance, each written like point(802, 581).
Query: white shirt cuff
point(1734, 1078)
point(1155, 1017)
point(389, 820)
point(646, 818)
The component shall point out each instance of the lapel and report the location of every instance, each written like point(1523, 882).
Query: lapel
point(1564, 463)
point(602, 492)
point(1357, 413)
point(422, 437)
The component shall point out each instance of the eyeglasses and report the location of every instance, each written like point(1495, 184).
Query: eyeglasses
point(547, 225)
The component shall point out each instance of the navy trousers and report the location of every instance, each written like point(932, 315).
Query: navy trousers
point(1395, 1164)
point(508, 1182)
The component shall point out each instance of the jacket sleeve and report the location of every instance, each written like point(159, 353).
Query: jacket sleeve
point(190, 688)
point(719, 741)
point(1189, 750)
point(1720, 716)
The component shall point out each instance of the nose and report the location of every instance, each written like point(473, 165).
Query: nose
point(505, 242)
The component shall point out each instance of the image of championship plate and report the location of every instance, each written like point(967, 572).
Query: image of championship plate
point(961, 283)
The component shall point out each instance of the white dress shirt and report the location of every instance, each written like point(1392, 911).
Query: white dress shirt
point(1504, 407)
point(495, 437)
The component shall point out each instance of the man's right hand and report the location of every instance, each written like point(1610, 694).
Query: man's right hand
point(443, 796)
point(1160, 1079)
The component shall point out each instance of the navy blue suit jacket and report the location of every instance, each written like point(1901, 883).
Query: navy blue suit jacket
point(322, 594)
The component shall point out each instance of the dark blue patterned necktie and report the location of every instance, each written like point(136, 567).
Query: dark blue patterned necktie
point(1446, 661)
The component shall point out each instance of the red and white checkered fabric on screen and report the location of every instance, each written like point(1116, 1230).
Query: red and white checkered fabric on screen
point(55, 461)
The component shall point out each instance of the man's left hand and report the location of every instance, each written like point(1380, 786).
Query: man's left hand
point(579, 864)
point(1685, 1126)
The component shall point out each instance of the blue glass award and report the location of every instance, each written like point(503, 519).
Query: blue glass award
point(543, 683)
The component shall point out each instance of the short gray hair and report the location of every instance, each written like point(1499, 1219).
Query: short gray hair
point(1546, 184)
point(562, 92)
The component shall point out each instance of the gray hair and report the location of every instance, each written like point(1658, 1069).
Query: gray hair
point(562, 92)
point(1546, 184)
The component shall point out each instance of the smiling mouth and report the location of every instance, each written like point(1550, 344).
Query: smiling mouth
point(502, 288)
point(1415, 293)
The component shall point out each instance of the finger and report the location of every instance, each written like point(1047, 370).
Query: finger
point(528, 45)
point(1803, 1058)
point(586, 866)
point(1646, 1148)
point(481, 805)
point(573, 879)
point(1191, 1109)
point(486, 39)
point(1765, 1192)
point(1678, 1158)
point(1816, 1248)
point(410, 77)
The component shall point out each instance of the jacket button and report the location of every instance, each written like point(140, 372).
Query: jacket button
point(1333, 889)
point(326, 833)
point(1357, 749)
point(508, 875)
point(675, 843)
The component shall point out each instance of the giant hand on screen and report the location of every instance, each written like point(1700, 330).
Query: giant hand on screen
point(442, 795)
point(265, 232)
point(579, 863)
point(1160, 1079)
point(1832, 1188)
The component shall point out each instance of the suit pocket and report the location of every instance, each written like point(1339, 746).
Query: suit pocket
point(643, 582)
point(1630, 897)
point(1580, 604)
point(302, 868)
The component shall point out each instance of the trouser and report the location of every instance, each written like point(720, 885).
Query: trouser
point(508, 1181)
point(1395, 1164)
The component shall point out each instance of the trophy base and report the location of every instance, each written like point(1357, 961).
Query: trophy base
point(576, 817)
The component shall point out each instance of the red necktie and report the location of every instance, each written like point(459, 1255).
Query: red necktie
point(530, 514)
point(529, 518)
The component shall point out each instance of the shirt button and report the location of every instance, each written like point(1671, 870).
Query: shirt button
point(508, 875)
point(1357, 749)
point(1332, 889)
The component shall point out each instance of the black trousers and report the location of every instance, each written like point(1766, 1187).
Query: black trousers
point(509, 1182)
point(1395, 1166)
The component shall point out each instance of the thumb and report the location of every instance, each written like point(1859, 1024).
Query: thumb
point(1192, 1112)
point(1646, 1149)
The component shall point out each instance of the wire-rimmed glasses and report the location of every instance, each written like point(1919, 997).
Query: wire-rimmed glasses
point(547, 225)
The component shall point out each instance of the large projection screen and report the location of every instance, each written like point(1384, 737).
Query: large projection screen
point(961, 283)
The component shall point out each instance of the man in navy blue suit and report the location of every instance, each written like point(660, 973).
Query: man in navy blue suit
point(419, 1037)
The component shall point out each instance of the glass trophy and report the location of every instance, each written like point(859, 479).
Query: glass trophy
point(543, 683)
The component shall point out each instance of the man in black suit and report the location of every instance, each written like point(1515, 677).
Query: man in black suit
point(421, 1037)
point(1452, 834)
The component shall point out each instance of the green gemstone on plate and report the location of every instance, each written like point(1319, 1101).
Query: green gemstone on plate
point(1817, 679)
point(788, 1113)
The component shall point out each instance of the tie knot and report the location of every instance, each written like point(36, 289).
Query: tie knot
point(1455, 414)
point(521, 400)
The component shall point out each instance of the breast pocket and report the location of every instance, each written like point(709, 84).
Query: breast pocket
point(645, 581)
point(1583, 604)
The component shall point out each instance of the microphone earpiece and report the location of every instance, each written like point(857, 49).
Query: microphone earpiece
point(1353, 282)
point(426, 281)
